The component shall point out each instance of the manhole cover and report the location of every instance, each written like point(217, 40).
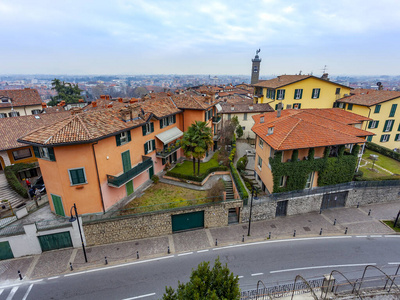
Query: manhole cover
point(244, 227)
point(306, 228)
point(273, 226)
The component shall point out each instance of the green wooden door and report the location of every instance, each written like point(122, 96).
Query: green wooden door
point(5, 250)
point(188, 221)
point(151, 172)
point(126, 161)
point(58, 206)
point(55, 241)
point(129, 187)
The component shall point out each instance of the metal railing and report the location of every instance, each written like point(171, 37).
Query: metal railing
point(168, 151)
point(118, 181)
point(216, 119)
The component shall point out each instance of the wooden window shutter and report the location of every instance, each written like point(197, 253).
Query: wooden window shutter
point(51, 154)
point(174, 116)
point(152, 126)
point(144, 131)
point(129, 136)
point(153, 142)
point(118, 140)
point(161, 123)
point(393, 110)
point(370, 124)
point(145, 148)
point(36, 151)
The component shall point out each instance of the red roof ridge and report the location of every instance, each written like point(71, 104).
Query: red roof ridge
point(290, 131)
point(84, 125)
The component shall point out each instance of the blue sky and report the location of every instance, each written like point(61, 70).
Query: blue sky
point(199, 37)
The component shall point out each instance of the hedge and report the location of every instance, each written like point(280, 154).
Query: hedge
point(196, 178)
point(383, 150)
point(11, 175)
point(241, 189)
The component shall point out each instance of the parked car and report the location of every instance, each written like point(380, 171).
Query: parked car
point(39, 184)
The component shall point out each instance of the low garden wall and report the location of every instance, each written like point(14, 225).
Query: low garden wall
point(152, 224)
point(196, 182)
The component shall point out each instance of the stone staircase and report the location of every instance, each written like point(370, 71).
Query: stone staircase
point(6, 193)
point(229, 190)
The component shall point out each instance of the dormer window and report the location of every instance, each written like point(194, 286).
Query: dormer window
point(270, 130)
point(262, 119)
point(4, 100)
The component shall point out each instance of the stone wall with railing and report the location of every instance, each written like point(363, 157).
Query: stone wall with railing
point(152, 224)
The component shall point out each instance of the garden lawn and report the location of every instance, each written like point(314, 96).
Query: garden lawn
point(383, 161)
point(186, 167)
point(164, 196)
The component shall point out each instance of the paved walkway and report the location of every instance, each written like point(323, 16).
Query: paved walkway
point(54, 263)
point(7, 193)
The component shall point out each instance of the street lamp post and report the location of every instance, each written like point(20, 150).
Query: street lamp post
point(251, 207)
point(72, 219)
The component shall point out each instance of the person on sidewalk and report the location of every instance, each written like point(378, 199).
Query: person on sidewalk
point(28, 183)
point(38, 195)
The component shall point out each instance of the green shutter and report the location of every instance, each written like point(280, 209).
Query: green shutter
point(377, 109)
point(301, 93)
point(381, 137)
point(152, 126)
point(391, 126)
point(74, 176)
point(118, 140)
point(393, 110)
point(299, 105)
point(344, 105)
point(370, 124)
point(145, 148)
point(384, 127)
point(57, 204)
point(398, 129)
point(350, 106)
point(77, 176)
point(153, 142)
point(126, 161)
point(161, 123)
point(397, 137)
point(174, 117)
point(36, 151)
point(272, 94)
point(51, 154)
point(319, 91)
point(369, 138)
point(144, 131)
point(283, 94)
point(129, 136)
point(163, 161)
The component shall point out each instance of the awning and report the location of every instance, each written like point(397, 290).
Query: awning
point(218, 106)
point(169, 135)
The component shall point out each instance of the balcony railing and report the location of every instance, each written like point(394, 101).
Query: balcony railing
point(163, 153)
point(118, 181)
point(216, 119)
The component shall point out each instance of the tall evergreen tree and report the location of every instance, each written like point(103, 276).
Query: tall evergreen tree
point(70, 93)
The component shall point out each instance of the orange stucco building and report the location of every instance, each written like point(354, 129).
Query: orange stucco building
point(99, 155)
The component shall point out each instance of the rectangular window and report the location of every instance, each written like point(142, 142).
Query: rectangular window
point(315, 93)
point(45, 153)
point(337, 91)
point(289, 106)
point(123, 138)
point(296, 105)
point(282, 181)
point(229, 116)
point(149, 146)
point(165, 122)
point(280, 94)
point(22, 153)
point(388, 125)
point(373, 124)
point(13, 114)
point(3, 115)
point(385, 138)
point(393, 110)
point(369, 138)
point(298, 93)
point(377, 109)
point(35, 111)
point(245, 117)
point(350, 106)
point(148, 128)
point(260, 143)
point(309, 180)
point(397, 138)
point(77, 176)
point(259, 163)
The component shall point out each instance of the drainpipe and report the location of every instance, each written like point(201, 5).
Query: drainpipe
point(98, 177)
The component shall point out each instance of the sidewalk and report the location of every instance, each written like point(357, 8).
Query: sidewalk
point(56, 262)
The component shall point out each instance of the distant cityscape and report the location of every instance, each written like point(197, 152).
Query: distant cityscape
point(137, 85)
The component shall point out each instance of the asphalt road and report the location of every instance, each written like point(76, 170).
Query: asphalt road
point(274, 262)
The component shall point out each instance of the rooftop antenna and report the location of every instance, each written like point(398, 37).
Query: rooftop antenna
point(300, 72)
point(324, 69)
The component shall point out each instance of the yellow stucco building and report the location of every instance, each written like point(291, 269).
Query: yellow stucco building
point(383, 107)
point(299, 91)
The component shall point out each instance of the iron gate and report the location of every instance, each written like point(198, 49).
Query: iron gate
point(281, 208)
point(334, 200)
point(55, 241)
point(187, 221)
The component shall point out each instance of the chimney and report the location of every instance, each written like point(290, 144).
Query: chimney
point(94, 104)
point(103, 97)
point(278, 113)
point(251, 107)
point(120, 99)
point(76, 110)
point(81, 101)
point(109, 105)
point(325, 76)
point(44, 105)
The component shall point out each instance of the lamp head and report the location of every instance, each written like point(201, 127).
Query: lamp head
point(72, 219)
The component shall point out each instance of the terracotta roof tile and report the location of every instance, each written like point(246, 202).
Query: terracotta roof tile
point(307, 128)
point(284, 80)
point(21, 97)
point(245, 108)
point(366, 97)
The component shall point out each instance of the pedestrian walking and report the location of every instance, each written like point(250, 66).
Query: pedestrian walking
point(38, 195)
point(28, 183)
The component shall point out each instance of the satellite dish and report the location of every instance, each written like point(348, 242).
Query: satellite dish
point(379, 83)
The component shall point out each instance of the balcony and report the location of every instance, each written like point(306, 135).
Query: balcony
point(216, 119)
point(163, 153)
point(118, 181)
point(217, 136)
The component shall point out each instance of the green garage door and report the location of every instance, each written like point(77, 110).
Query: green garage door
point(5, 251)
point(55, 241)
point(188, 221)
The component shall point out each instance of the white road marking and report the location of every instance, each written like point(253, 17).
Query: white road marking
point(142, 296)
point(51, 278)
point(13, 291)
point(27, 292)
point(392, 236)
point(257, 274)
point(394, 263)
point(200, 251)
point(119, 266)
point(281, 241)
point(321, 267)
point(39, 280)
point(187, 253)
point(1, 292)
point(11, 285)
point(361, 236)
point(240, 277)
point(375, 236)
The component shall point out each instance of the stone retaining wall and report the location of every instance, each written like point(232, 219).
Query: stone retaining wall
point(152, 224)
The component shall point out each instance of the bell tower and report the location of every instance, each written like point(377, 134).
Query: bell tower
point(255, 68)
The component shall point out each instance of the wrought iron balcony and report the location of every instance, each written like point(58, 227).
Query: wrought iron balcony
point(118, 181)
point(163, 153)
point(216, 119)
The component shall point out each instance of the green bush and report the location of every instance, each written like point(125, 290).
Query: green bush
point(242, 163)
point(239, 185)
point(11, 175)
point(155, 179)
point(383, 150)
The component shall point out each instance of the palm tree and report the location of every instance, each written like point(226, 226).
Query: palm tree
point(189, 144)
point(203, 135)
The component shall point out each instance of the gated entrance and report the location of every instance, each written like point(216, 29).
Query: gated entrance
point(334, 200)
point(55, 241)
point(281, 208)
point(5, 250)
point(188, 221)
